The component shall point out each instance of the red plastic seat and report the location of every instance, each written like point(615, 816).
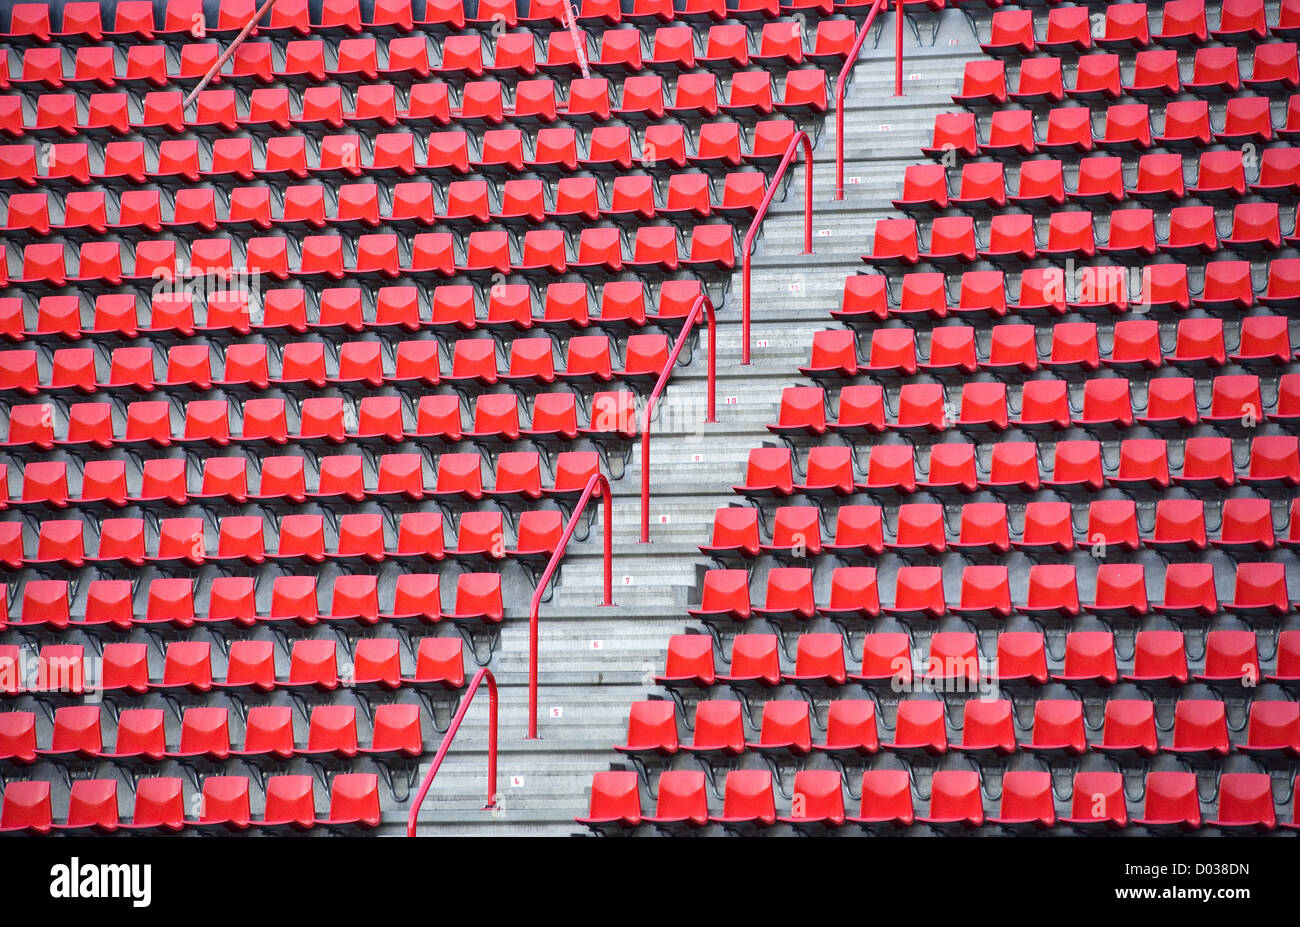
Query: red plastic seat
point(1245, 799)
point(1200, 726)
point(26, 807)
point(1021, 660)
point(886, 800)
point(1214, 72)
point(1012, 34)
point(953, 132)
point(984, 83)
point(1273, 727)
point(689, 663)
point(919, 728)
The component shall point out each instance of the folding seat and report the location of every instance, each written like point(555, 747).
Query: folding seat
point(1129, 729)
point(890, 468)
point(1068, 29)
point(1199, 343)
point(1058, 728)
point(689, 663)
point(924, 293)
point(726, 48)
point(919, 728)
point(1012, 34)
point(1106, 404)
point(1135, 344)
point(45, 603)
point(785, 729)
point(1187, 125)
point(1011, 131)
point(1264, 340)
point(886, 660)
point(802, 411)
point(1069, 235)
point(1214, 72)
point(1220, 175)
point(920, 529)
point(983, 528)
point(26, 807)
point(1142, 462)
point(695, 95)
point(682, 803)
point(953, 132)
point(1241, 21)
point(1255, 227)
point(1287, 25)
point(1160, 177)
point(673, 49)
point(984, 83)
point(1227, 284)
point(952, 241)
point(1279, 174)
point(1288, 659)
point(925, 188)
point(29, 24)
point(1021, 659)
point(651, 729)
point(1283, 287)
point(921, 407)
point(1100, 180)
point(894, 243)
point(796, 532)
point(45, 483)
point(1096, 78)
point(953, 349)
point(781, 44)
point(1200, 725)
point(956, 803)
point(1047, 525)
point(1089, 659)
point(615, 802)
point(953, 659)
point(789, 594)
point(1230, 656)
point(1235, 398)
point(1098, 803)
point(983, 185)
point(1260, 589)
point(1013, 467)
point(1245, 524)
point(804, 93)
point(893, 350)
point(755, 662)
point(918, 592)
point(1040, 82)
point(1121, 589)
point(1246, 120)
point(1245, 799)
point(1273, 727)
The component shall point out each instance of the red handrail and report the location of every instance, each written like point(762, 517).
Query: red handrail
point(747, 248)
point(239, 39)
point(842, 81)
point(898, 48)
point(702, 302)
point(482, 674)
point(607, 516)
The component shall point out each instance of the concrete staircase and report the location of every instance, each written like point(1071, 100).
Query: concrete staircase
point(595, 661)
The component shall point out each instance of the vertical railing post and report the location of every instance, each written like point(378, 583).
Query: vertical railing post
point(840, 83)
point(800, 139)
point(702, 304)
point(465, 702)
point(534, 610)
point(898, 49)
